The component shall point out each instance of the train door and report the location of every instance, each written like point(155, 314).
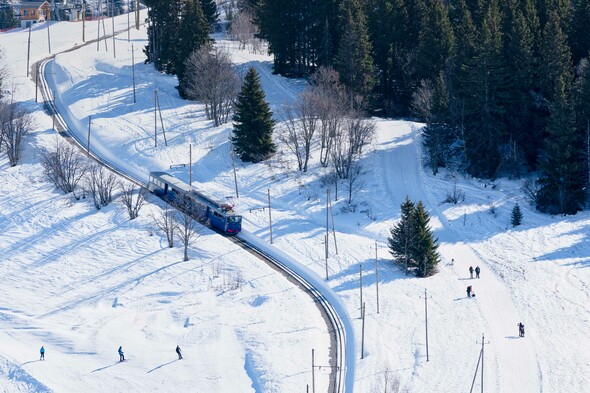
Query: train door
point(165, 188)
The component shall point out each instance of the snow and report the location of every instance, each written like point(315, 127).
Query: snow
point(82, 282)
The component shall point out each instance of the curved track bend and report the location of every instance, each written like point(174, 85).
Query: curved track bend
point(341, 378)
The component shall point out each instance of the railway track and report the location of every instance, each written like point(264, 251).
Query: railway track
point(338, 337)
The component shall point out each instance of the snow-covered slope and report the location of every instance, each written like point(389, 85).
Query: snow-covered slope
point(83, 282)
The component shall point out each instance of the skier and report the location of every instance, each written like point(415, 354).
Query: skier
point(42, 351)
point(469, 291)
point(471, 271)
point(121, 356)
point(477, 270)
point(178, 352)
point(520, 329)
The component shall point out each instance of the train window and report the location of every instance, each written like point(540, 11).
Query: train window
point(234, 218)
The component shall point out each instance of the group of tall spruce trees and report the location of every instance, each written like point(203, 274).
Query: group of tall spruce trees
point(504, 86)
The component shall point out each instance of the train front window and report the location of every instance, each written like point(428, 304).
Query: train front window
point(234, 219)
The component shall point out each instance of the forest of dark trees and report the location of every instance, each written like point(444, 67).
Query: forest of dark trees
point(503, 86)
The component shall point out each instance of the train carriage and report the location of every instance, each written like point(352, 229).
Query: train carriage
point(199, 205)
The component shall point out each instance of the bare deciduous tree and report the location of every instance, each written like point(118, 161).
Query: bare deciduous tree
point(211, 79)
point(188, 227)
point(422, 100)
point(100, 183)
point(354, 181)
point(166, 223)
point(301, 123)
point(64, 166)
point(15, 124)
point(133, 198)
point(331, 105)
point(243, 29)
point(348, 144)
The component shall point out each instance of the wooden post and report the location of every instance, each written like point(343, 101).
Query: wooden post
point(133, 70)
point(377, 276)
point(28, 50)
point(426, 320)
point(269, 216)
point(327, 215)
point(89, 122)
point(482, 347)
point(190, 164)
point(98, 28)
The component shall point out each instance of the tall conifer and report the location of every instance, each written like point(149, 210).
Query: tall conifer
point(253, 122)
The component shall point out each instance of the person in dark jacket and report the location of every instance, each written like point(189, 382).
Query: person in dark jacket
point(469, 291)
point(178, 352)
point(42, 352)
point(471, 271)
point(121, 356)
point(477, 270)
point(520, 329)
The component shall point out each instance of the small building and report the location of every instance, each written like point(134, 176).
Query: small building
point(32, 12)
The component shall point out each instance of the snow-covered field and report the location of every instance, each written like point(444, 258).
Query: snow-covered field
point(82, 282)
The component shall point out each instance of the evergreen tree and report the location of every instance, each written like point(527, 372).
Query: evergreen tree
point(424, 250)
point(402, 235)
point(485, 95)
point(582, 106)
point(516, 216)
point(210, 11)
point(253, 122)
point(163, 33)
point(7, 18)
point(193, 33)
point(579, 37)
point(563, 177)
point(436, 40)
point(437, 135)
point(354, 61)
point(555, 57)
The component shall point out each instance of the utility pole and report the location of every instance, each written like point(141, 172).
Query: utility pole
point(333, 229)
point(363, 334)
point(89, 122)
point(161, 120)
point(48, 35)
point(28, 50)
point(377, 276)
point(327, 215)
point(190, 164)
point(426, 321)
point(479, 360)
point(133, 69)
point(233, 162)
point(98, 28)
point(113, 25)
point(155, 119)
point(36, 82)
point(361, 286)
point(326, 254)
point(269, 216)
point(137, 15)
point(312, 371)
point(83, 22)
point(128, 22)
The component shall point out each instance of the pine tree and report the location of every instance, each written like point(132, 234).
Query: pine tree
point(163, 33)
point(516, 216)
point(424, 250)
point(210, 11)
point(402, 235)
point(563, 178)
point(253, 122)
point(582, 105)
point(354, 61)
point(579, 38)
point(7, 19)
point(193, 33)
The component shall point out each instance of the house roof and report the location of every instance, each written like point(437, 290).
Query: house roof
point(32, 4)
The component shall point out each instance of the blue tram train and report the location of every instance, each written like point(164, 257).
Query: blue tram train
point(200, 205)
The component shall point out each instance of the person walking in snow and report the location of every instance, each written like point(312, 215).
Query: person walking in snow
point(469, 291)
point(520, 329)
point(178, 352)
point(42, 352)
point(477, 270)
point(471, 271)
point(121, 356)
